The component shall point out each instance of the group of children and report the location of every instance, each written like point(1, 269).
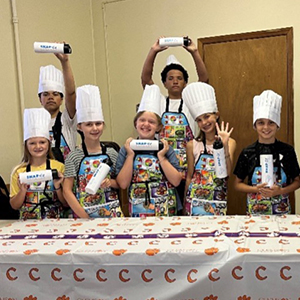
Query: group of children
point(175, 177)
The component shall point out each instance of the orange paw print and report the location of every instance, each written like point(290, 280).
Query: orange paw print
point(244, 298)
point(211, 297)
point(30, 298)
point(152, 298)
point(30, 251)
point(63, 297)
point(120, 298)
point(242, 250)
point(62, 251)
point(211, 251)
point(152, 252)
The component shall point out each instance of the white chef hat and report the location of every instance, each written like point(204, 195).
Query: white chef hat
point(200, 99)
point(51, 79)
point(88, 104)
point(36, 123)
point(172, 60)
point(151, 99)
point(267, 106)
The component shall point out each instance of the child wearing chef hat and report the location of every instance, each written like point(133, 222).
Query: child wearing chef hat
point(205, 193)
point(267, 196)
point(149, 175)
point(41, 199)
point(84, 161)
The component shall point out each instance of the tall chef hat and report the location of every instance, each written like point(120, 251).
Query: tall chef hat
point(36, 123)
point(88, 104)
point(267, 106)
point(200, 98)
point(151, 99)
point(172, 60)
point(51, 79)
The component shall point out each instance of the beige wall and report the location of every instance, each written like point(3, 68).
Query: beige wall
point(110, 40)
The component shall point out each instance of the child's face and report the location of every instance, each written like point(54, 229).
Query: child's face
point(91, 130)
point(38, 147)
point(266, 130)
point(207, 122)
point(147, 125)
point(175, 82)
point(51, 101)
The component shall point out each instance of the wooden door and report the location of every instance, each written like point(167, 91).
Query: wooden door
point(241, 66)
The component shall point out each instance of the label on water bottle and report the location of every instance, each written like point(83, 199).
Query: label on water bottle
point(266, 162)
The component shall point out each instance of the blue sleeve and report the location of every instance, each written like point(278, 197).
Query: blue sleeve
point(172, 158)
point(120, 160)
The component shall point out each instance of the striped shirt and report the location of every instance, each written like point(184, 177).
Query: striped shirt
point(74, 159)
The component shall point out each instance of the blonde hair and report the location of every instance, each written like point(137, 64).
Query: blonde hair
point(158, 118)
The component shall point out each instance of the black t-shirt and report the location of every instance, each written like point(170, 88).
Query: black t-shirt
point(283, 154)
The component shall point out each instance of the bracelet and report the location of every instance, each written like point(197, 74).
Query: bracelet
point(227, 156)
point(57, 189)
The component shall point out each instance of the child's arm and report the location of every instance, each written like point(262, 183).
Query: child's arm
point(190, 165)
point(17, 201)
point(149, 62)
point(228, 143)
point(70, 94)
point(58, 189)
point(240, 186)
point(200, 66)
point(125, 174)
point(173, 176)
point(71, 199)
point(108, 182)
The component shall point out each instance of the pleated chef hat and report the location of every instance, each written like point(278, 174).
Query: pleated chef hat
point(51, 79)
point(172, 60)
point(36, 123)
point(151, 99)
point(200, 99)
point(267, 106)
point(88, 104)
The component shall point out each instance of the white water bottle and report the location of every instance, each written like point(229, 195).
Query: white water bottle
point(174, 41)
point(38, 176)
point(266, 162)
point(219, 158)
point(44, 47)
point(146, 145)
point(97, 178)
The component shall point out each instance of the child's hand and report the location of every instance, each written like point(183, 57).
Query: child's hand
point(128, 148)
point(23, 186)
point(161, 154)
point(191, 47)
point(223, 132)
point(156, 48)
point(105, 183)
point(62, 57)
point(268, 192)
point(58, 182)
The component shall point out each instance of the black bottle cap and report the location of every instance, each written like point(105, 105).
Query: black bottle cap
point(67, 49)
point(54, 174)
point(218, 144)
point(186, 41)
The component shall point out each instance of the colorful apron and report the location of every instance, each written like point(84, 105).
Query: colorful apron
point(177, 131)
point(41, 200)
point(150, 194)
point(105, 203)
point(277, 205)
point(207, 194)
point(58, 141)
